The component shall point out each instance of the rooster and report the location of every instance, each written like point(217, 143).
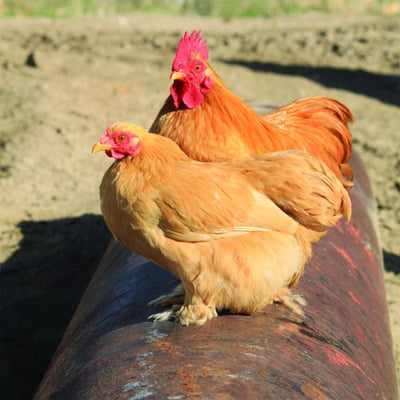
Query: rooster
point(236, 233)
point(210, 123)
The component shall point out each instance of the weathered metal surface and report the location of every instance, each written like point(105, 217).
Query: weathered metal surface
point(341, 349)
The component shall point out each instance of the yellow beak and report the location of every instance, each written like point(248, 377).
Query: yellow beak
point(176, 76)
point(100, 147)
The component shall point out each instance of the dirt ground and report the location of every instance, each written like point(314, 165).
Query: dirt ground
point(62, 82)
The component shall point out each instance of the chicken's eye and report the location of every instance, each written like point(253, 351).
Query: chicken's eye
point(121, 138)
point(197, 68)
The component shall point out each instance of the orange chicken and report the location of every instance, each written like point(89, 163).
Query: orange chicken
point(236, 233)
point(210, 123)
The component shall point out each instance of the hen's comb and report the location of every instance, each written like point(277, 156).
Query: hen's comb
point(190, 46)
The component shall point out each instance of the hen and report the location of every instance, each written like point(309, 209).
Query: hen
point(236, 233)
point(210, 123)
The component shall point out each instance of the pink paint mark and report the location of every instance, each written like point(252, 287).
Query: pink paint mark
point(316, 265)
point(356, 235)
point(359, 390)
point(360, 334)
point(344, 254)
point(369, 254)
point(354, 298)
point(354, 232)
point(337, 358)
point(339, 227)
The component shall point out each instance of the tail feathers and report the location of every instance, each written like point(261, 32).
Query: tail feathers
point(302, 186)
point(318, 125)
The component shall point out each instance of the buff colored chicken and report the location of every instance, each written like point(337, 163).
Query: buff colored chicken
point(210, 123)
point(236, 233)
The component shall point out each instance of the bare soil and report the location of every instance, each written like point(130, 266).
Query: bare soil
point(63, 81)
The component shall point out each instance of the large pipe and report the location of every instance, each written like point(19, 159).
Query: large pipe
point(341, 349)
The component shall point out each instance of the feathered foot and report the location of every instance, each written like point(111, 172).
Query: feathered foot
point(197, 314)
point(293, 301)
point(177, 296)
point(169, 315)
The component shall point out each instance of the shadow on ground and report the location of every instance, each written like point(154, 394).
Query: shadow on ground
point(41, 285)
point(392, 262)
point(385, 88)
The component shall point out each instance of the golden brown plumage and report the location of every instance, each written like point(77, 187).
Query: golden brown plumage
point(210, 123)
point(236, 233)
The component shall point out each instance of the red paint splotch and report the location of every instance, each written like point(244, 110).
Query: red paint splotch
point(356, 235)
point(360, 333)
point(345, 255)
point(354, 298)
point(339, 227)
point(336, 357)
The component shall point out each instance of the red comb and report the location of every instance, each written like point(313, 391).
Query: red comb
point(190, 46)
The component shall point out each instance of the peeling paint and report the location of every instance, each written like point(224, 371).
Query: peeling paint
point(154, 332)
point(142, 394)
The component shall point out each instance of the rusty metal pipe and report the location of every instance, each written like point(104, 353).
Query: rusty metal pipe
point(341, 350)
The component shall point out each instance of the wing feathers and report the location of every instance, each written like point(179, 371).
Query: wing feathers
point(301, 185)
point(275, 191)
point(217, 203)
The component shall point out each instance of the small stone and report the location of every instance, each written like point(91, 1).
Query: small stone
point(30, 60)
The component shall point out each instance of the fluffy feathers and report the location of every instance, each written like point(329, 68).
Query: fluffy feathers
point(236, 233)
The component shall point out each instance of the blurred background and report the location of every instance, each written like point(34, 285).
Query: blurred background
point(208, 8)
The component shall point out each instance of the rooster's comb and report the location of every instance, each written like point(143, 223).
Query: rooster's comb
point(190, 46)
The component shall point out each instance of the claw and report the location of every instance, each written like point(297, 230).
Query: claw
point(165, 315)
